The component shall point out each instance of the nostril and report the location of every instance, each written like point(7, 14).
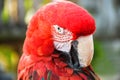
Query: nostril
point(74, 43)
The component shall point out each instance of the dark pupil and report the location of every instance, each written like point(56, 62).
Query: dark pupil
point(59, 29)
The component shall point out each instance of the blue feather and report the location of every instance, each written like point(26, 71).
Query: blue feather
point(42, 78)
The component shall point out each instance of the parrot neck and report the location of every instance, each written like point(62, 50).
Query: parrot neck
point(73, 63)
point(71, 58)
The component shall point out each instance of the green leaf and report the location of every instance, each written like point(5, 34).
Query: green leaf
point(5, 15)
point(8, 58)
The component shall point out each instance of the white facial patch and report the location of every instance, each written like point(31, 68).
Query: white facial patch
point(85, 50)
point(63, 46)
point(62, 38)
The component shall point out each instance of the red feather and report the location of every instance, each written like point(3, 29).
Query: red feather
point(39, 61)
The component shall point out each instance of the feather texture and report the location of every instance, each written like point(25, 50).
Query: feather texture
point(40, 60)
point(55, 68)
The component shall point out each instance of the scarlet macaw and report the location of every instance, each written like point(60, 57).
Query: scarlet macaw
point(58, 44)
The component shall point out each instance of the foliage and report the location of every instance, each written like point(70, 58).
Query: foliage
point(8, 58)
point(5, 14)
point(46, 1)
point(101, 62)
point(28, 4)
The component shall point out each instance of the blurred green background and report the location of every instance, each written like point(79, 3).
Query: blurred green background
point(15, 15)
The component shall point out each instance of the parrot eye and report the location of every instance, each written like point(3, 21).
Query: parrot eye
point(58, 29)
point(60, 34)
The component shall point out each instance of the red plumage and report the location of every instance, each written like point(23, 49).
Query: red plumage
point(39, 60)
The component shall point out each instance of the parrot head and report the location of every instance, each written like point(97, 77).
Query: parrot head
point(62, 26)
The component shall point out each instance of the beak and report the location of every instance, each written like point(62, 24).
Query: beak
point(85, 49)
